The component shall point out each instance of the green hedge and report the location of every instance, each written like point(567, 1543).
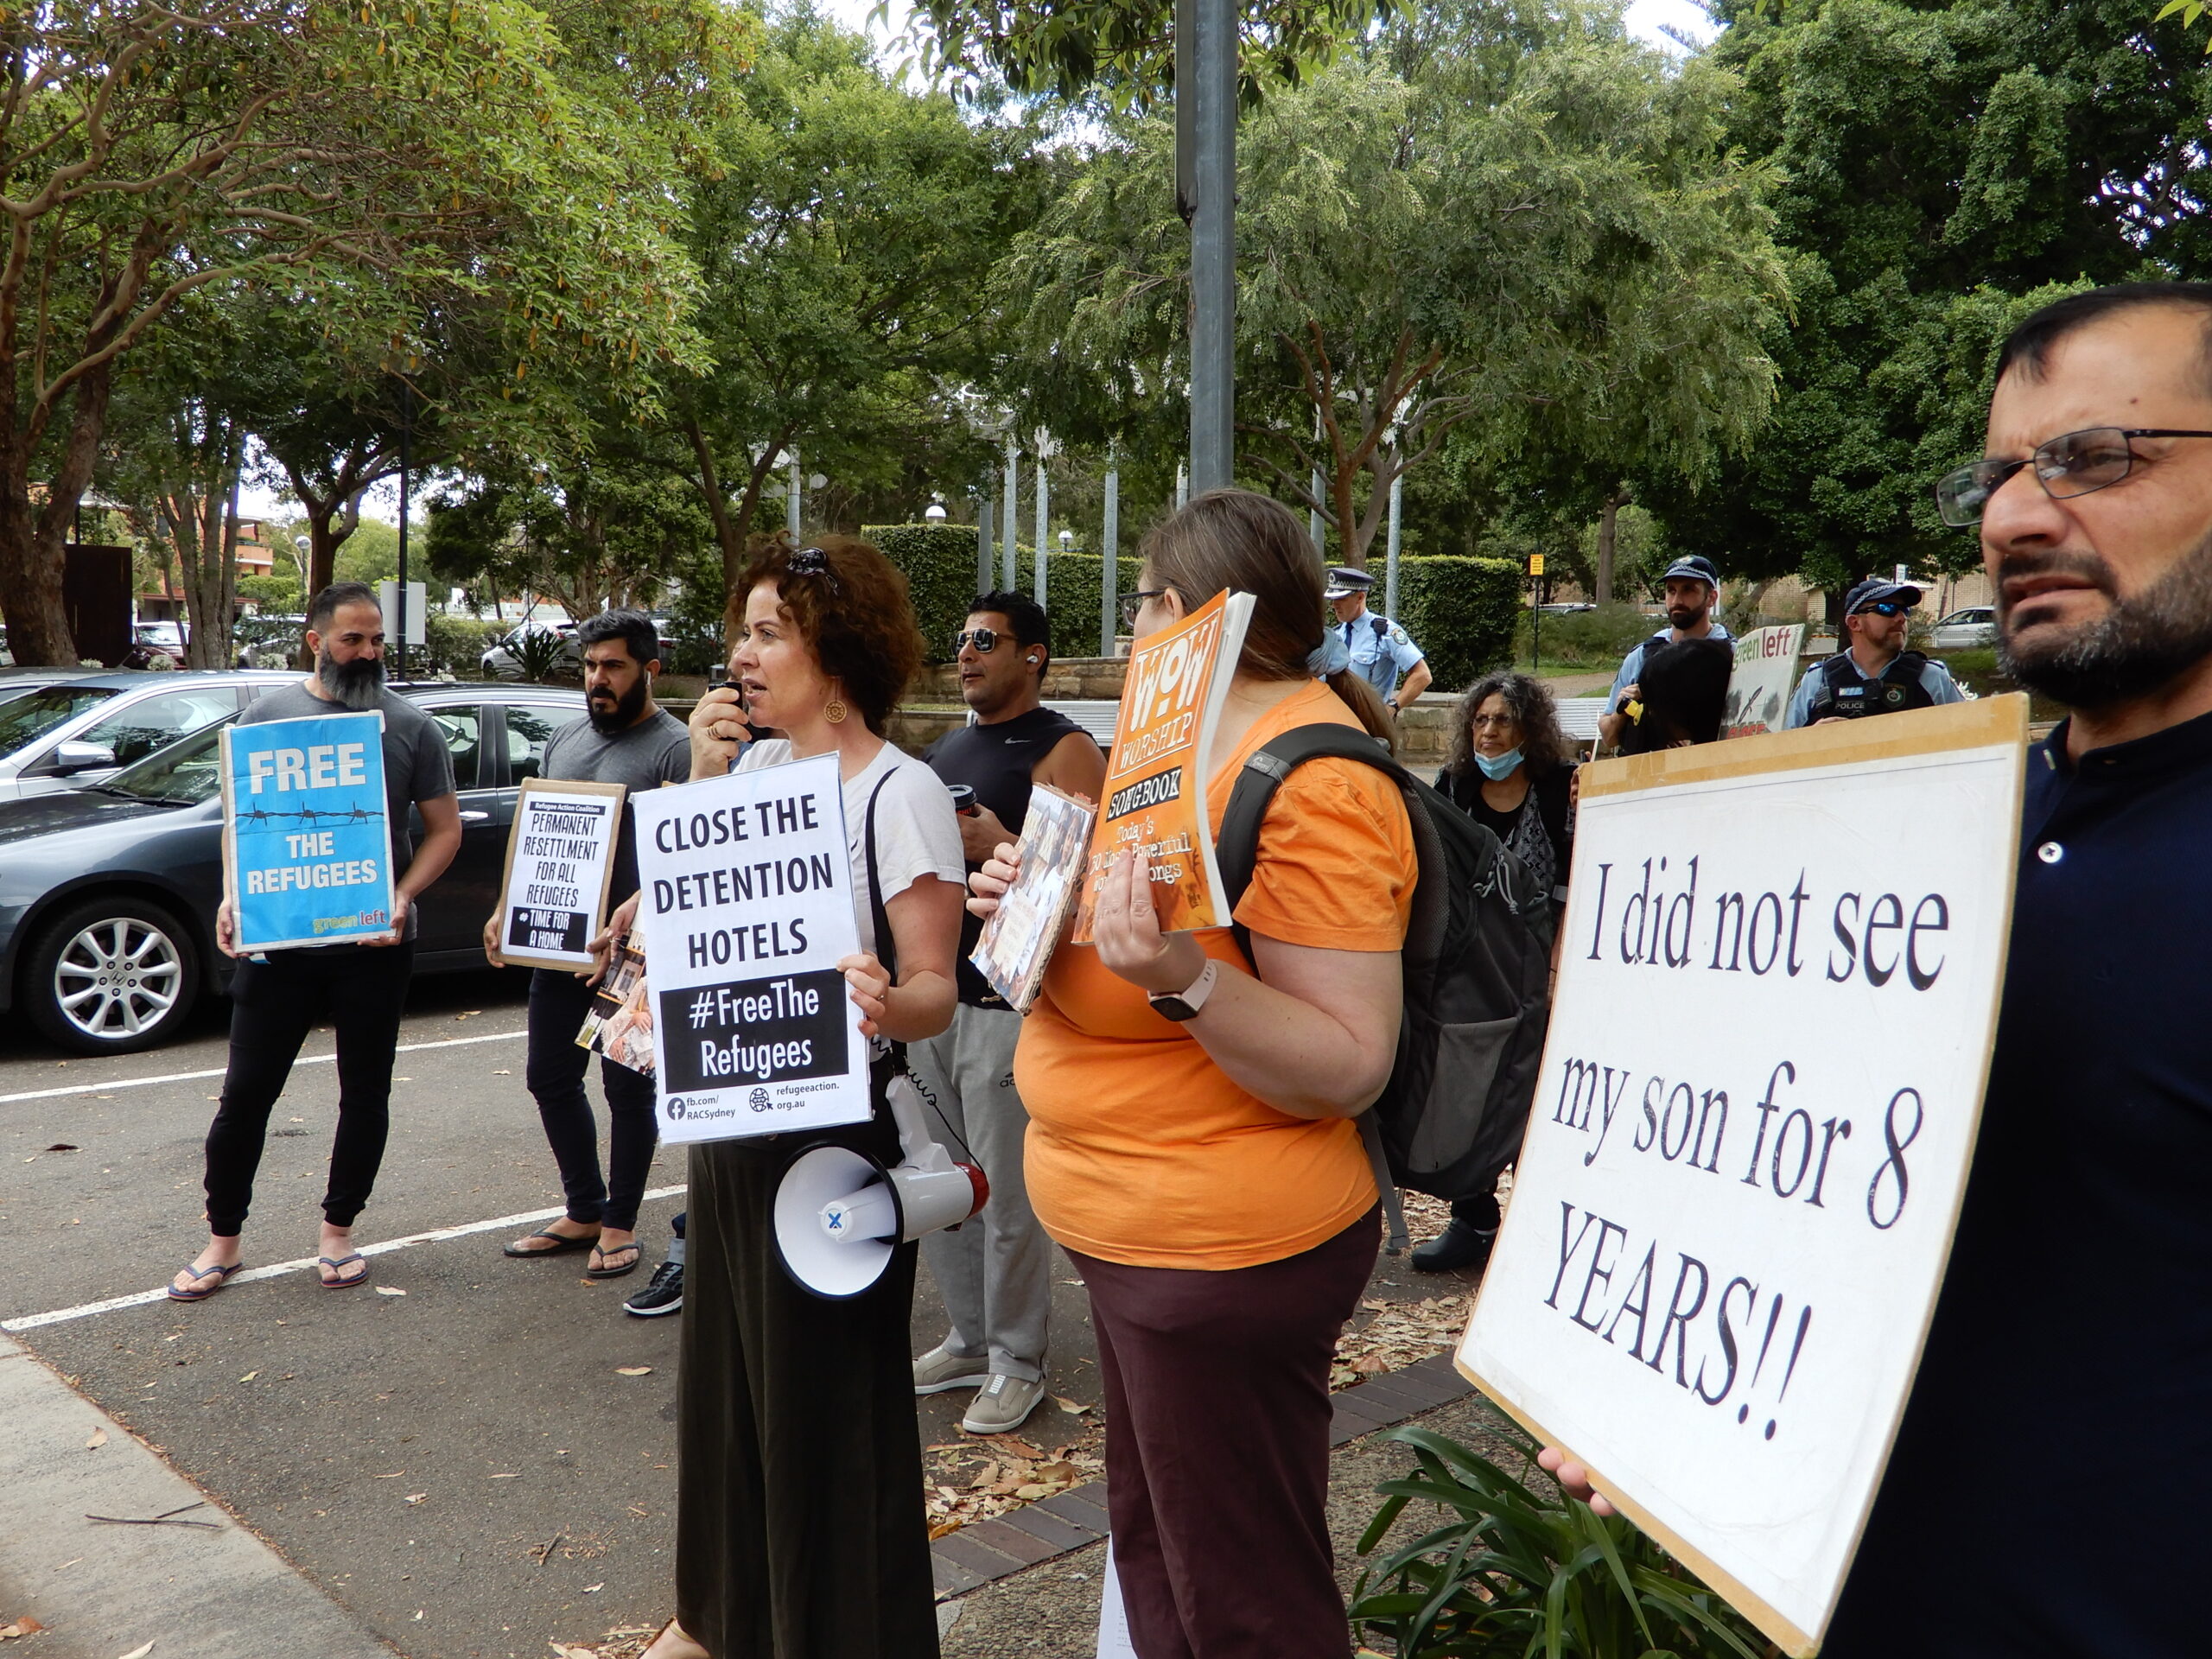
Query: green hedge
point(454, 645)
point(939, 561)
point(1461, 613)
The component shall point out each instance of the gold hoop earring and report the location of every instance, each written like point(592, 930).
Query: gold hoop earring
point(835, 711)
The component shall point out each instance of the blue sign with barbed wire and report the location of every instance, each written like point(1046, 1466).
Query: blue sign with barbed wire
point(306, 849)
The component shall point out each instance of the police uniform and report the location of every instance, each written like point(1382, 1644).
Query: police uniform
point(1838, 689)
point(1381, 651)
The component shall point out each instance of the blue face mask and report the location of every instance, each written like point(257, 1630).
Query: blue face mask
point(1498, 766)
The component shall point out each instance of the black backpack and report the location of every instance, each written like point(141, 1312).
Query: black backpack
point(1477, 975)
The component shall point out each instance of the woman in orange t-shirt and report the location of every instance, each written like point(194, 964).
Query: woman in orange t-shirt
point(1198, 1160)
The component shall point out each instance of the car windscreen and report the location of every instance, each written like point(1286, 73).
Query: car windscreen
point(25, 719)
point(183, 774)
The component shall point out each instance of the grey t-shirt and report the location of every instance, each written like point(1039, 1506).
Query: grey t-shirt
point(655, 751)
point(416, 764)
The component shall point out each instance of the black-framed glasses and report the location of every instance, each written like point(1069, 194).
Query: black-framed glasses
point(2071, 464)
point(986, 640)
point(1132, 603)
point(813, 562)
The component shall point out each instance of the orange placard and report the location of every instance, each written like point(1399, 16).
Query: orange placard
point(1155, 796)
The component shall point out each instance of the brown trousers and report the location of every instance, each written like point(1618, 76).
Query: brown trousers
point(1218, 1448)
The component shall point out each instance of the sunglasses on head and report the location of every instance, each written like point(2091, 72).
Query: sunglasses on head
point(813, 562)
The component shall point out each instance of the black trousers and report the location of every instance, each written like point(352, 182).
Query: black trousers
point(558, 1002)
point(274, 1004)
point(1218, 1417)
point(799, 1525)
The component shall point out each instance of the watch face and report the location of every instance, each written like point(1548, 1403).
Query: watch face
point(1174, 1008)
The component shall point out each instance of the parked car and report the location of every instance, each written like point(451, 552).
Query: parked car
point(108, 893)
point(1971, 629)
point(14, 682)
point(502, 661)
point(81, 731)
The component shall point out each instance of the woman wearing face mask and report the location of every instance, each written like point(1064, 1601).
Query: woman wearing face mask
point(1508, 770)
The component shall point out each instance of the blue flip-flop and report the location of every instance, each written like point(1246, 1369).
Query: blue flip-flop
point(221, 1275)
point(340, 1261)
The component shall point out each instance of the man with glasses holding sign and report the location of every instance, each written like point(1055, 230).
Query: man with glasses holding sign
point(1877, 675)
point(2069, 1350)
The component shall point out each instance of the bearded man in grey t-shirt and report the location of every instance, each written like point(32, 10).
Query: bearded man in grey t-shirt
point(627, 739)
point(277, 996)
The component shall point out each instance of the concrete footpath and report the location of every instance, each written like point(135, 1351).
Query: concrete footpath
point(213, 1591)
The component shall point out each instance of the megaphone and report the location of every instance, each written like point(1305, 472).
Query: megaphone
point(840, 1214)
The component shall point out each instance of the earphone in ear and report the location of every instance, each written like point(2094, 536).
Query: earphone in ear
point(1033, 661)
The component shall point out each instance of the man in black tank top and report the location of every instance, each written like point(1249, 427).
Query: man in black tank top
point(995, 1274)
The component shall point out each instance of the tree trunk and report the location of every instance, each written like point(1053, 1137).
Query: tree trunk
point(1608, 525)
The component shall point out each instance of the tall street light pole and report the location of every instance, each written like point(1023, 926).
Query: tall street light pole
point(1110, 541)
point(1206, 190)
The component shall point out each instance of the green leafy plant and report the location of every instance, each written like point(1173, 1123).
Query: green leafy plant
point(539, 651)
point(1515, 1569)
point(1460, 612)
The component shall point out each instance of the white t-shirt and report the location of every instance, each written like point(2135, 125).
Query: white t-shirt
point(916, 832)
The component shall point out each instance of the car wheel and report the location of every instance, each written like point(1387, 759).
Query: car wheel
point(111, 976)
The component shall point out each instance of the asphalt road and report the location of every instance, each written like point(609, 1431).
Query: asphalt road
point(463, 1467)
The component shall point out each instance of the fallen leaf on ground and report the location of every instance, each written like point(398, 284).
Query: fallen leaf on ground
point(390, 1290)
point(1073, 1407)
point(63, 1146)
point(98, 1440)
point(516, 1476)
point(1012, 1447)
point(416, 1497)
point(139, 1652)
point(593, 1589)
point(249, 1376)
point(24, 1626)
point(634, 1371)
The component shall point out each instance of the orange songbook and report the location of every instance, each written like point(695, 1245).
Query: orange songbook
point(1155, 794)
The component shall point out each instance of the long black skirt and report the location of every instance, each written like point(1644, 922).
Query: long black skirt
point(800, 1532)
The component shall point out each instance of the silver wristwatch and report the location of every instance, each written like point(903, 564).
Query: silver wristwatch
point(1180, 1006)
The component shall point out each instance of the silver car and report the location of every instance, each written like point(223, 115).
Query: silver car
point(84, 730)
point(1971, 629)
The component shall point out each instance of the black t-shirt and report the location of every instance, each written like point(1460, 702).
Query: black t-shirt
point(1547, 798)
point(996, 761)
point(2040, 1500)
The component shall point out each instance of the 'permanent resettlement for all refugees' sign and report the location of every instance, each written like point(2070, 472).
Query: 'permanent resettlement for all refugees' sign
point(748, 907)
point(1763, 1077)
point(307, 851)
point(560, 860)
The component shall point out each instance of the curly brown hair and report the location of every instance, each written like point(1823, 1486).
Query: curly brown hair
point(1543, 745)
point(853, 611)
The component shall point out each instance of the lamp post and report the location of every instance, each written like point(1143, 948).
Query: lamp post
point(1205, 189)
point(1013, 523)
point(1044, 514)
point(1110, 546)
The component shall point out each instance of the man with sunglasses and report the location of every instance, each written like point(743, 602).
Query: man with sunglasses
point(996, 1273)
point(1875, 675)
point(2070, 1350)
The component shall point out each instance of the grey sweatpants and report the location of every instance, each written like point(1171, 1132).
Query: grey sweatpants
point(995, 1274)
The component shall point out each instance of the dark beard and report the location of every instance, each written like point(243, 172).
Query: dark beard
point(1684, 620)
point(358, 685)
point(624, 714)
point(2140, 643)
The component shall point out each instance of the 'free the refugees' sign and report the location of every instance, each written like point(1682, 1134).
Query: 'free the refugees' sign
point(307, 851)
point(748, 907)
point(560, 860)
point(1777, 991)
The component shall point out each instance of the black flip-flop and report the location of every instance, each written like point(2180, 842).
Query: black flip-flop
point(636, 1255)
point(562, 1243)
point(219, 1274)
point(336, 1263)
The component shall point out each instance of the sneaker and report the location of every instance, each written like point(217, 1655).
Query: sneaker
point(941, 1371)
point(664, 1294)
point(1458, 1248)
point(1002, 1405)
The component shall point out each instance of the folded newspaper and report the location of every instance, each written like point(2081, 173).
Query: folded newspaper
point(620, 1023)
point(1017, 942)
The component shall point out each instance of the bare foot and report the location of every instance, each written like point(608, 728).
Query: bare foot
point(538, 1244)
point(220, 1253)
point(672, 1643)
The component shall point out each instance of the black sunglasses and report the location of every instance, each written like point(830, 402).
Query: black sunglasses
point(813, 562)
point(986, 640)
point(1132, 603)
point(2071, 464)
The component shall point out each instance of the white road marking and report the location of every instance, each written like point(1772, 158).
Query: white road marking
point(194, 1077)
point(33, 1321)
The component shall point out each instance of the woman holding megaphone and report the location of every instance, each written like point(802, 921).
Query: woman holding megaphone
point(800, 1523)
point(1191, 1144)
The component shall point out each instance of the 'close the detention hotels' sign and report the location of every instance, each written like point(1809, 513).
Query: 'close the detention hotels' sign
point(1763, 1077)
point(748, 907)
point(307, 852)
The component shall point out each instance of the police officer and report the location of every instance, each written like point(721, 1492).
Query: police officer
point(1380, 649)
point(1691, 587)
point(1875, 675)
